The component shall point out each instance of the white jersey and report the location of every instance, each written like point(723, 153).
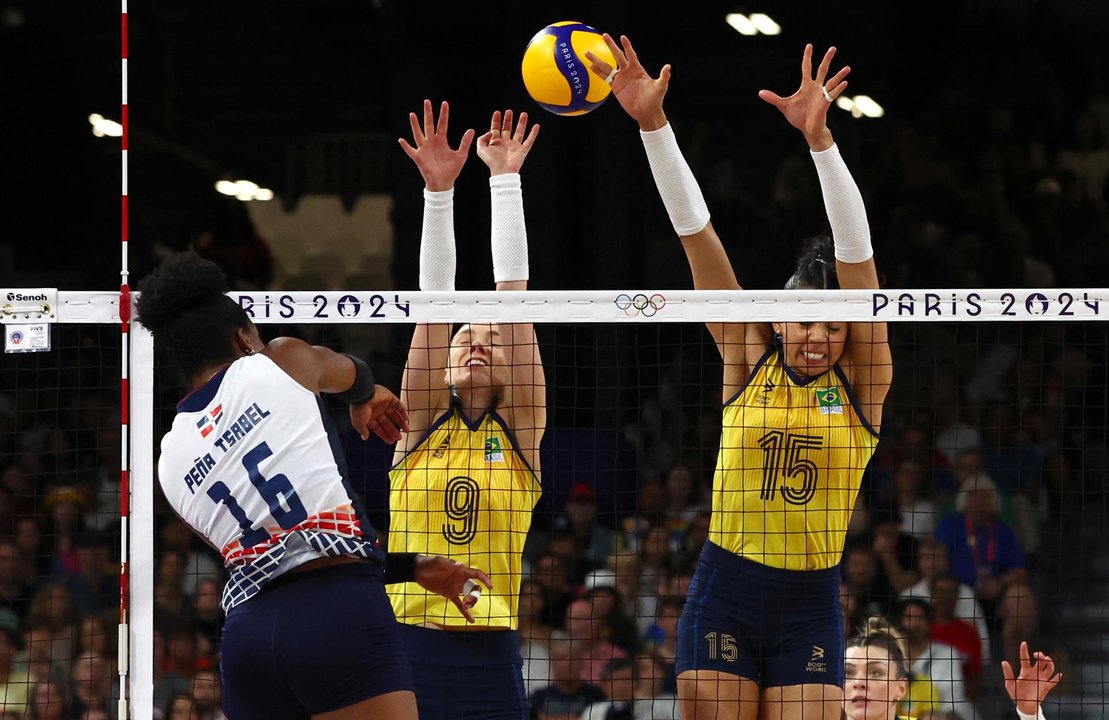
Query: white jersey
point(252, 465)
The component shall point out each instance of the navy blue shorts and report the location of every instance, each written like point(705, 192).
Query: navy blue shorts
point(312, 642)
point(466, 674)
point(776, 627)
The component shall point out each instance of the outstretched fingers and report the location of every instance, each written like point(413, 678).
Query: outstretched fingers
point(617, 52)
point(597, 65)
point(838, 83)
point(467, 140)
point(521, 127)
point(444, 115)
point(530, 139)
point(806, 64)
point(429, 120)
point(629, 52)
point(418, 136)
point(772, 97)
point(522, 135)
point(408, 149)
point(417, 131)
point(825, 64)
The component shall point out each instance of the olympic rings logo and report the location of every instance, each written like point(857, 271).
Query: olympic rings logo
point(640, 304)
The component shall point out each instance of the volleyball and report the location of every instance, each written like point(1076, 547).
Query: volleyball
point(556, 71)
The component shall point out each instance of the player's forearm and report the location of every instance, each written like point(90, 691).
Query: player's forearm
point(844, 204)
point(438, 258)
point(509, 236)
point(678, 188)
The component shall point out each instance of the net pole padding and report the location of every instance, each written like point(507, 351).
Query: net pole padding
point(676, 306)
point(141, 550)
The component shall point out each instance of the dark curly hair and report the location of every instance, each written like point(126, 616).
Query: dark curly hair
point(183, 302)
point(816, 267)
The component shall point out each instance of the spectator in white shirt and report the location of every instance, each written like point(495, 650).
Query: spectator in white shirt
point(932, 562)
point(940, 663)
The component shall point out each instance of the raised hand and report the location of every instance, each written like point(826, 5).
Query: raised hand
point(504, 149)
point(438, 163)
point(384, 415)
point(807, 108)
point(637, 92)
point(1029, 689)
point(449, 578)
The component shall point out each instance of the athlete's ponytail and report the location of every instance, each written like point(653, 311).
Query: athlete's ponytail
point(816, 267)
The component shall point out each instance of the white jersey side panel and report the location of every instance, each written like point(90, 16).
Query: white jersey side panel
point(249, 466)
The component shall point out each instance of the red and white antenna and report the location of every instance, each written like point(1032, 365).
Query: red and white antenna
point(125, 394)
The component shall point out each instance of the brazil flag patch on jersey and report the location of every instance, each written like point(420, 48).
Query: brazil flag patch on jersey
point(829, 401)
point(493, 451)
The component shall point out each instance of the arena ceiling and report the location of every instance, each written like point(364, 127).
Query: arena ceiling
point(237, 88)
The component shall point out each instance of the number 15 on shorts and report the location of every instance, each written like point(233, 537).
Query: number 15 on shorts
point(723, 646)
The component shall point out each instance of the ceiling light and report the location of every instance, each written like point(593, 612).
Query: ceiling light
point(102, 126)
point(244, 190)
point(860, 106)
point(753, 24)
point(765, 24)
point(741, 23)
point(867, 106)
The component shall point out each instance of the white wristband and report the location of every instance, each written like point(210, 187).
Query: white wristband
point(437, 253)
point(1038, 716)
point(679, 189)
point(844, 205)
point(509, 234)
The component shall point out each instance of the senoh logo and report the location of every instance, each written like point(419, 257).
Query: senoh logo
point(20, 297)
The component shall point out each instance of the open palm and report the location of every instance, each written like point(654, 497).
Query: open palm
point(439, 164)
point(637, 92)
point(807, 108)
point(503, 148)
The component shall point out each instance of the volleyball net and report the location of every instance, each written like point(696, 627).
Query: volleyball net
point(998, 390)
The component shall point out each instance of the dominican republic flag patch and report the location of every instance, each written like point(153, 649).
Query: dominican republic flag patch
point(208, 422)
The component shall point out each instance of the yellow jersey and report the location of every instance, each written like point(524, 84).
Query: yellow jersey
point(467, 493)
point(792, 455)
point(921, 699)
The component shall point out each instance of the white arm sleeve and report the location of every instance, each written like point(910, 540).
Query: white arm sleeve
point(1038, 716)
point(685, 204)
point(437, 253)
point(844, 205)
point(509, 234)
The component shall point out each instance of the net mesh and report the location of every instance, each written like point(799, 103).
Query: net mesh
point(628, 457)
point(633, 434)
point(60, 524)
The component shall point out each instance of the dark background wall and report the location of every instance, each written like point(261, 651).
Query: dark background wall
point(249, 89)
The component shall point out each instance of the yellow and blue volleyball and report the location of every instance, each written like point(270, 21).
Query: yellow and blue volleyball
point(556, 71)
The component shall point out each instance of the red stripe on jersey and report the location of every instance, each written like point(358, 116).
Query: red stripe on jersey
point(341, 521)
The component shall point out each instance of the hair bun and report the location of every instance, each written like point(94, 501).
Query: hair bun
point(182, 283)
